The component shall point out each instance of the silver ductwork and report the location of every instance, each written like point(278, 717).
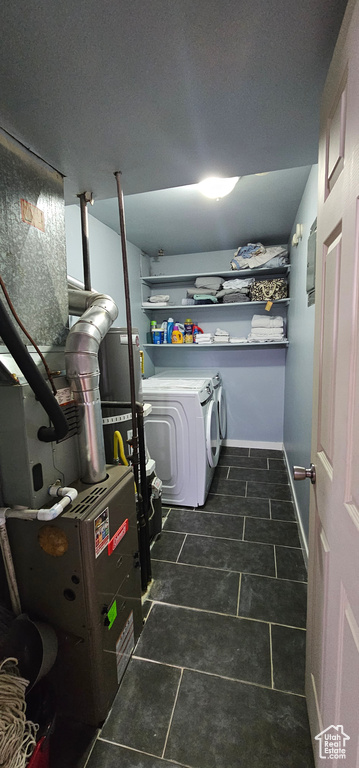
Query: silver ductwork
point(98, 312)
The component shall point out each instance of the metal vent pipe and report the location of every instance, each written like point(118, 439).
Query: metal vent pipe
point(98, 312)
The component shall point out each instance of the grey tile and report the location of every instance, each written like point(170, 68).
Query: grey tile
point(142, 708)
point(276, 464)
point(227, 526)
point(167, 546)
point(232, 505)
point(288, 654)
point(243, 461)
point(269, 491)
point(281, 602)
point(290, 564)
point(268, 452)
point(226, 450)
point(222, 645)
point(228, 555)
point(220, 473)
point(272, 532)
point(225, 724)
point(107, 755)
point(282, 510)
point(228, 488)
point(195, 587)
point(258, 475)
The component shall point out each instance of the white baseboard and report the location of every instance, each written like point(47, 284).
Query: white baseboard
point(302, 536)
point(252, 444)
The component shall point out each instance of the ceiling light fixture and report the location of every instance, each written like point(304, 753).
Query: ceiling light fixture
point(216, 187)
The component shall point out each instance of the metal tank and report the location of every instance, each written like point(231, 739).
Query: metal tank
point(115, 385)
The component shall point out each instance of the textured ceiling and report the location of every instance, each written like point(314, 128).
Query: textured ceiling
point(182, 220)
point(167, 91)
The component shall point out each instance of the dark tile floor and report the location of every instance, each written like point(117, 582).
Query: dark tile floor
point(217, 677)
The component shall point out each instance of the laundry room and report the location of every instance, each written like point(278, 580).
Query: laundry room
point(177, 314)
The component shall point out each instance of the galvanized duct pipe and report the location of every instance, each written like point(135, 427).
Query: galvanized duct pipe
point(98, 312)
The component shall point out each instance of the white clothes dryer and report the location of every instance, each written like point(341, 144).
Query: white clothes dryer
point(218, 390)
point(182, 437)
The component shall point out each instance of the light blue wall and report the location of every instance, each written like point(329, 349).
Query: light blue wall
point(253, 378)
point(299, 368)
point(106, 267)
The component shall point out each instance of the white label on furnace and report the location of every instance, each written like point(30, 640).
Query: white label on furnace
point(64, 396)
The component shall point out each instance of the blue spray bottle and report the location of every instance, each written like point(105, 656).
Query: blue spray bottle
point(170, 324)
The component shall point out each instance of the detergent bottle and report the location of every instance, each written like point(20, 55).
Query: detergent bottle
point(196, 329)
point(170, 324)
point(188, 331)
point(177, 335)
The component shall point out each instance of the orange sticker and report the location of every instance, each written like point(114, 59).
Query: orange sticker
point(269, 306)
point(32, 215)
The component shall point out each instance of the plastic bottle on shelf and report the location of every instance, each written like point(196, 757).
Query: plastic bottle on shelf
point(188, 331)
point(170, 324)
point(177, 335)
point(164, 328)
point(196, 329)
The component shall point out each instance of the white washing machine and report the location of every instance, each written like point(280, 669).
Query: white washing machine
point(218, 390)
point(182, 437)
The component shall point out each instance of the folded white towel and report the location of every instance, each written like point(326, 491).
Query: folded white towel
point(159, 298)
point(266, 321)
point(261, 339)
point(267, 332)
point(221, 332)
point(153, 304)
point(238, 340)
point(237, 283)
point(200, 341)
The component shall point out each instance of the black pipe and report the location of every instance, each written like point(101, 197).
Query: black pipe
point(143, 512)
point(144, 488)
point(143, 526)
point(85, 240)
point(12, 339)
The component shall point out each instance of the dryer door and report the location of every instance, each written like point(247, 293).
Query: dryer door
point(222, 413)
point(212, 434)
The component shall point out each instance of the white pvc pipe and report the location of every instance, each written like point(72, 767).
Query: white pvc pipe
point(9, 565)
point(67, 496)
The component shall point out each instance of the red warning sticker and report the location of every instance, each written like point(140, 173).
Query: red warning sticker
point(118, 536)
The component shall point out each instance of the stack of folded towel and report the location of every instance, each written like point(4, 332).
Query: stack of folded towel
point(235, 291)
point(203, 338)
point(205, 290)
point(221, 337)
point(160, 300)
point(266, 328)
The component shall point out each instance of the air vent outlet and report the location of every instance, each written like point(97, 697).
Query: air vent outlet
point(87, 503)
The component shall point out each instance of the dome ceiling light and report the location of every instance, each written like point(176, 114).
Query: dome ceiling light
point(216, 187)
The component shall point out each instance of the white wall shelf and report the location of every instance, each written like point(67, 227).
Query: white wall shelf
point(242, 311)
point(246, 345)
point(199, 307)
point(233, 273)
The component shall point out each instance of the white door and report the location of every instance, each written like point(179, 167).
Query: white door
point(332, 679)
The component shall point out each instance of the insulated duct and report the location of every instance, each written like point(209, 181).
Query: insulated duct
point(98, 312)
